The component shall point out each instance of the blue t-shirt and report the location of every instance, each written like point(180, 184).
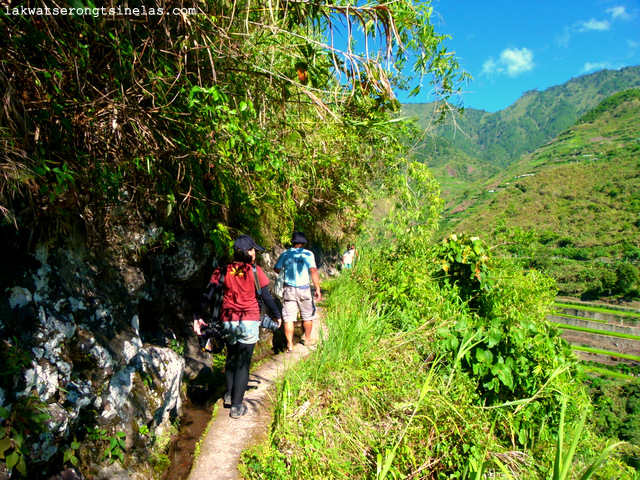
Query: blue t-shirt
point(296, 263)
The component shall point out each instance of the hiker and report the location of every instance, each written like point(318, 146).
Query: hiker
point(299, 267)
point(348, 257)
point(355, 254)
point(240, 316)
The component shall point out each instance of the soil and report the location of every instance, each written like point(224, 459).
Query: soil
point(198, 424)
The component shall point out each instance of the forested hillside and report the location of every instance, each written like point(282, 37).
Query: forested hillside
point(572, 207)
point(477, 144)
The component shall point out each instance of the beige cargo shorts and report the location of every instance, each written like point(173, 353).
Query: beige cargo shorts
point(294, 299)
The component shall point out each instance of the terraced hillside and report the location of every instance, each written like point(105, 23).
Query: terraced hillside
point(604, 335)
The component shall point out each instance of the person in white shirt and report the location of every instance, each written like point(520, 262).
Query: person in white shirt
point(347, 257)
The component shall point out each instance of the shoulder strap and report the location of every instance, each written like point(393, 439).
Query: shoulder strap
point(256, 282)
point(223, 271)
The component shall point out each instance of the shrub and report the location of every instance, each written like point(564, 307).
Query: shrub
point(627, 277)
point(608, 280)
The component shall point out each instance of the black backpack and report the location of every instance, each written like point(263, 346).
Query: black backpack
point(212, 337)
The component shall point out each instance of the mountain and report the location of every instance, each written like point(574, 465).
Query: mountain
point(572, 207)
point(475, 145)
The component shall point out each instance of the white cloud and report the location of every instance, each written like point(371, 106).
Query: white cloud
point(593, 24)
point(517, 61)
point(619, 12)
point(615, 13)
point(512, 62)
point(489, 67)
point(632, 44)
point(593, 66)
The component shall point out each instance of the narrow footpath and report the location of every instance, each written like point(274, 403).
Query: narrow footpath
point(226, 438)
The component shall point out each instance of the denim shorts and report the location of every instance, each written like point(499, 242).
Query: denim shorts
point(243, 331)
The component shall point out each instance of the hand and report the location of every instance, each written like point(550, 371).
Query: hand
point(279, 320)
point(198, 323)
point(318, 295)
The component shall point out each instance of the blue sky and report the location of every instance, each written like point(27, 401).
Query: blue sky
point(510, 47)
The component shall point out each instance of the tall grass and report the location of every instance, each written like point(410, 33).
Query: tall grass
point(382, 398)
point(370, 403)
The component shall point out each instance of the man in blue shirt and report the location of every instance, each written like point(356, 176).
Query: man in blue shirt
point(300, 270)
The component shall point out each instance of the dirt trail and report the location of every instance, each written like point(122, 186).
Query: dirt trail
point(226, 438)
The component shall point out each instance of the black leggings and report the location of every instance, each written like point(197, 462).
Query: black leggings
point(236, 370)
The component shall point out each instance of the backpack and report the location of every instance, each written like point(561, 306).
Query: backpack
point(265, 319)
point(278, 290)
point(212, 337)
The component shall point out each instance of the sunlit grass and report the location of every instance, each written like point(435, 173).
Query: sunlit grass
point(379, 399)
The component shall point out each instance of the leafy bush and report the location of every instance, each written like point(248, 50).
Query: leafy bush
point(506, 345)
point(20, 425)
point(617, 410)
point(627, 277)
point(465, 264)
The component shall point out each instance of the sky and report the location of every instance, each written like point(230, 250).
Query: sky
point(510, 47)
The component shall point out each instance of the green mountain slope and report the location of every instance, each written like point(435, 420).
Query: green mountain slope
point(488, 142)
point(573, 206)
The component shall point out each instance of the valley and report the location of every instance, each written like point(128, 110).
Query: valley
point(569, 207)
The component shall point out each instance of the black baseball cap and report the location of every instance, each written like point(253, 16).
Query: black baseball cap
point(298, 237)
point(246, 243)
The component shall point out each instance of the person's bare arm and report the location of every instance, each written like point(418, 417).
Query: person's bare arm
point(315, 278)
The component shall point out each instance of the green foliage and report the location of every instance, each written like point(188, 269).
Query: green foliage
point(465, 263)
point(70, 454)
point(395, 277)
point(116, 449)
point(562, 464)
point(26, 417)
point(398, 408)
point(617, 409)
point(96, 434)
point(253, 464)
point(628, 276)
point(15, 359)
point(508, 348)
point(412, 382)
point(220, 122)
point(177, 346)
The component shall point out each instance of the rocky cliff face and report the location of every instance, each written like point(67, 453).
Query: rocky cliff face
point(96, 343)
point(86, 341)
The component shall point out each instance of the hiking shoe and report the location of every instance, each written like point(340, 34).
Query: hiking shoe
point(238, 410)
point(226, 399)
